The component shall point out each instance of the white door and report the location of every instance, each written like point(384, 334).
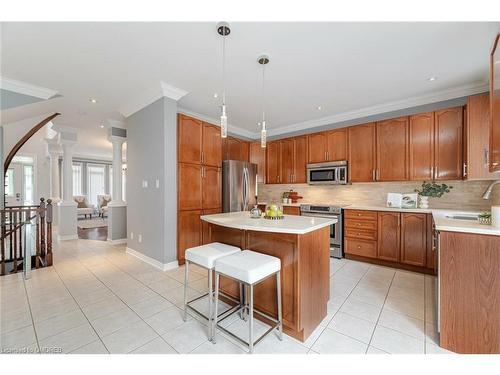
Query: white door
point(14, 191)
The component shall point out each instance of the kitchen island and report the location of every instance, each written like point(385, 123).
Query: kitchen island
point(303, 246)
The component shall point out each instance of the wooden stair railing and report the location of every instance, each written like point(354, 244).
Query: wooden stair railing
point(13, 243)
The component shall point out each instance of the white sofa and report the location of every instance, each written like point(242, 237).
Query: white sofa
point(83, 206)
point(102, 204)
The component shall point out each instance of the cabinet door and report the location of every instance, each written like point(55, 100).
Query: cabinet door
point(212, 146)
point(300, 161)
point(273, 162)
point(212, 187)
point(258, 156)
point(189, 192)
point(362, 153)
point(205, 238)
point(448, 144)
point(422, 146)
point(188, 232)
point(392, 150)
point(477, 138)
point(317, 148)
point(244, 148)
point(414, 239)
point(189, 139)
point(336, 145)
point(287, 155)
point(388, 236)
point(291, 210)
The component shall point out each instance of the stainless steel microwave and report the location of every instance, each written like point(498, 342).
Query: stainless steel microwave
point(330, 173)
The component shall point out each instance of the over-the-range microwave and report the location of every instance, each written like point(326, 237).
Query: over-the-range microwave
point(330, 173)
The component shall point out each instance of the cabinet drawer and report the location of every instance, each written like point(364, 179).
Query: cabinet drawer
point(361, 224)
point(291, 210)
point(359, 214)
point(361, 248)
point(361, 234)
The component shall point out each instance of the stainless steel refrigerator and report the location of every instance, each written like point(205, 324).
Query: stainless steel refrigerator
point(239, 180)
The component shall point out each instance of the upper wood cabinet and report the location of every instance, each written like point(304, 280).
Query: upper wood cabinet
point(389, 240)
point(414, 232)
point(258, 156)
point(235, 149)
point(189, 139)
point(211, 187)
point(421, 158)
point(212, 146)
point(190, 186)
point(273, 172)
point(495, 106)
point(448, 143)
point(392, 150)
point(327, 146)
point(361, 154)
point(300, 160)
point(477, 135)
point(287, 162)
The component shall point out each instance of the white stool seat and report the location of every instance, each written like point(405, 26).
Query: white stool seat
point(248, 266)
point(206, 255)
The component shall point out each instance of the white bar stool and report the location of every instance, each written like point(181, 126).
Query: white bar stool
point(204, 256)
point(250, 268)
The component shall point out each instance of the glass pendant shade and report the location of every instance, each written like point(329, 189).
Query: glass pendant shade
point(223, 123)
point(263, 135)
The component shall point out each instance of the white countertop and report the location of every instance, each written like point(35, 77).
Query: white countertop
point(442, 222)
point(290, 224)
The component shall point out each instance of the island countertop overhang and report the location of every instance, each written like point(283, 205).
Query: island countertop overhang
point(291, 224)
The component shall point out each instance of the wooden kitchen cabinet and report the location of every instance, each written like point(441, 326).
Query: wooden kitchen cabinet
point(327, 146)
point(361, 155)
point(414, 232)
point(448, 143)
point(235, 149)
point(360, 231)
point(300, 160)
point(205, 235)
point(477, 136)
point(189, 139)
point(273, 151)
point(211, 187)
point(389, 238)
point(291, 210)
point(211, 146)
point(317, 148)
point(258, 156)
point(188, 232)
point(421, 147)
point(190, 183)
point(287, 160)
point(392, 150)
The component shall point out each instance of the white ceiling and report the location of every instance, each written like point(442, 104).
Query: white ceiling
point(346, 68)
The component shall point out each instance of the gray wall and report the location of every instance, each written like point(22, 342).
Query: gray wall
point(151, 156)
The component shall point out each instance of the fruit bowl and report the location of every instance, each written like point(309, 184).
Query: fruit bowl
point(274, 211)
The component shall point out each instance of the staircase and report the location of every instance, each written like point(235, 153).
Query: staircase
point(25, 237)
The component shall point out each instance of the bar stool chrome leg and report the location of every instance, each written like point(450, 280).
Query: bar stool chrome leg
point(186, 273)
point(278, 294)
point(250, 317)
point(210, 301)
point(214, 320)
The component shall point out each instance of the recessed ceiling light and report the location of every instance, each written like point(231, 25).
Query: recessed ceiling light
point(102, 126)
point(92, 100)
point(216, 95)
point(431, 79)
point(319, 108)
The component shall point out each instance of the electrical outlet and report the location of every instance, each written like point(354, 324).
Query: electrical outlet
point(131, 235)
point(139, 238)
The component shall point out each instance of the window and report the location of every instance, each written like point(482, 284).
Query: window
point(96, 174)
point(77, 179)
point(9, 182)
point(28, 184)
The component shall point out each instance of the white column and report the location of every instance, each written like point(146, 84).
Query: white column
point(117, 198)
point(55, 189)
point(2, 173)
point(67, 147)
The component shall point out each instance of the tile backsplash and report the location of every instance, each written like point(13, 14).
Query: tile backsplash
point(464, 195)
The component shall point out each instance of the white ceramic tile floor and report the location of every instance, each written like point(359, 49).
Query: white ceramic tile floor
point(98, 299)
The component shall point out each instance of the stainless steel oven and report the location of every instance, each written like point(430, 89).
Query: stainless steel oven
point(331, 173)
point(336, 230)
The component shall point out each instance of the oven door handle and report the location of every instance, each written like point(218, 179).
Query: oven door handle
point(332, 216)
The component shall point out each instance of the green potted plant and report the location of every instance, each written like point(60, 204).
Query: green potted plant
point(431, 189)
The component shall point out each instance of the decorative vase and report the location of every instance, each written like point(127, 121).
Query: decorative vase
point(424, 202)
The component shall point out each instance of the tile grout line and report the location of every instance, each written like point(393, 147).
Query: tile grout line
point(31, 313)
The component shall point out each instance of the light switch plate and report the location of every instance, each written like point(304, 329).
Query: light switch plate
point(157, 183)
point(144, 183)
point(139, 239)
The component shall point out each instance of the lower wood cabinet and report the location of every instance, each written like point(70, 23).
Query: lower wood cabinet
point(188, 231)
point(396, 238)
point(291, 210)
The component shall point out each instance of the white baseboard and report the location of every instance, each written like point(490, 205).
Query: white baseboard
point(119, 241)
point(151, 261)
point(67, 237)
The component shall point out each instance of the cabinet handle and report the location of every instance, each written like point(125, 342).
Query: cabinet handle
point(359, 247)
point(486, 157)
point(327, 155)
point(432, 171)
point(464, 170)
point(373, 174)
point(202, 157)
point(436, 173)
point(377, 175)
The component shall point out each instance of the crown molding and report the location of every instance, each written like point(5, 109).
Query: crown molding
point(230, 128)
point(149, 96)
point(452, 93)
point(26, 88)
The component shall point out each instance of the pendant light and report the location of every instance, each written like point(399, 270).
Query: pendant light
point(263, 60)
point(223, 30)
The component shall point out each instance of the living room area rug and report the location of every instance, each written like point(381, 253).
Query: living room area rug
point(92, 223)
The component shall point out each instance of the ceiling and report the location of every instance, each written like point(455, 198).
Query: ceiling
point(349, 69)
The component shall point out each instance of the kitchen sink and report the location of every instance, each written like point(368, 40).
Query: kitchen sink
point(462, 216)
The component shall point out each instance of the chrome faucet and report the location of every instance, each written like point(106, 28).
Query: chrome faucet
point(487, 193)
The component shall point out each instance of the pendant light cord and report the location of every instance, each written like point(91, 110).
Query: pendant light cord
point(263, 93)
point(224, 67)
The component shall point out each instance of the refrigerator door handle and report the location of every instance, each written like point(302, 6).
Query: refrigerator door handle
point(246, 192)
